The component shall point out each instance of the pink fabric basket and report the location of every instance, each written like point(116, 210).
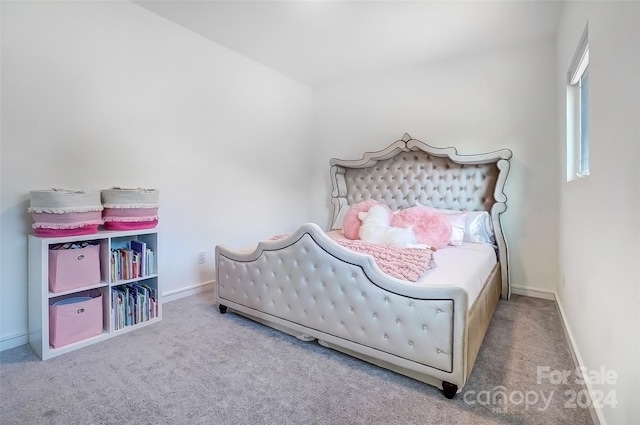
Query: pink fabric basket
point(130, 225)
point(130, 214)
point(75, 319)
point(66, 220)
point(43, 232)
point(74, 268)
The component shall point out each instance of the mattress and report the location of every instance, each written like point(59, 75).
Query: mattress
point(478, 259)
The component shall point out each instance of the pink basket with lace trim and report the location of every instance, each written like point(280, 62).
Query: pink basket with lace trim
point(64, 212)
point(130, 209)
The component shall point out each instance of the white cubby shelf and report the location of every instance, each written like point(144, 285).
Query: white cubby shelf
point(40, 297)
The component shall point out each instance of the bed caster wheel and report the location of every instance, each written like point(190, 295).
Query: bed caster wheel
point(222, 308)
point(449, 390)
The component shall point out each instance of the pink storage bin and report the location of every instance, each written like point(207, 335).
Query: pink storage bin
point(66, 224)
point(130, 225)
point(63, 212)
point(43, 232)
point(74, 268)
point(130, 209)
point(130, 214)
point(75, 319)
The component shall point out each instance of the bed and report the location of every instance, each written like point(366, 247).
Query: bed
point(315, 288)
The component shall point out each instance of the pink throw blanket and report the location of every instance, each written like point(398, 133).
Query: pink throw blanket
point(402, 263)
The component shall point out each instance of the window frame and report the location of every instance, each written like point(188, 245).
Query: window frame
point(578, 137)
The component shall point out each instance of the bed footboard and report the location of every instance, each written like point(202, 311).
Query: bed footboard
point(309, 286)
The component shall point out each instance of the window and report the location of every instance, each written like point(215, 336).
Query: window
point(578, 111)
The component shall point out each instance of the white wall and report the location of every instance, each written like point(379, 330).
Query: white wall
point(101, 94)
point(502, 99)
point(599, 281)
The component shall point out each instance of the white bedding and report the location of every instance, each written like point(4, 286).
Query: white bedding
point(478, 259)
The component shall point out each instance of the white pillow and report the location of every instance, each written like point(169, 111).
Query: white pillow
point(470, 226)
point(479, 228)
point(458, 220)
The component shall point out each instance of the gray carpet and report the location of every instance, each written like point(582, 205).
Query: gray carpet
point(198, 366)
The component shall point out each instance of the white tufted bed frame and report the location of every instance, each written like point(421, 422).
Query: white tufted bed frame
point(309, 286)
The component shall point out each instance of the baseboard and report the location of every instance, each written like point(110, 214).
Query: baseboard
point(187, 291)
point(533, 292)
point(596, 414)
point(13, 341)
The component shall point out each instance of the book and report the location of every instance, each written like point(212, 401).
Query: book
point(151, 262)
point(140, 248)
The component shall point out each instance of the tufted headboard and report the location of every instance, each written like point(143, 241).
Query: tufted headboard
point(410, 172)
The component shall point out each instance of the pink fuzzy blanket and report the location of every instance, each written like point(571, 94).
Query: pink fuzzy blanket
point(408, 264)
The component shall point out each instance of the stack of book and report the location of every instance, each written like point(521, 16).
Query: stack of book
point(133, 303)
point(133, 261)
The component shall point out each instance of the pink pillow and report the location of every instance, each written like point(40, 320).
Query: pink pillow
point(430, 226)
point(351, 223)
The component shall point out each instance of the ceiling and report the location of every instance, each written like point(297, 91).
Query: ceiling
point(317, 42)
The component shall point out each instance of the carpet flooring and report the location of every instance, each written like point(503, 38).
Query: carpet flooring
point(198, 366)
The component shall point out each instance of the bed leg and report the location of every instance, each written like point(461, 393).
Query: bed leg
point(222, 308)
point(449, 389)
